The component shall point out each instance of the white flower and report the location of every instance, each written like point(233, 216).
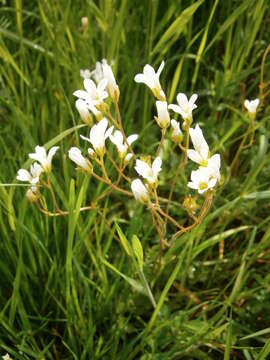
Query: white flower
point(118, 140)
point(177, 135)
point(97, 74)
point(82, 108)
point(85, 73)
point(151, 79)
point(76, 156)
point(31, 176)
point(93, 94)
point(163, 118)
point(202, 180)
point(41, 156)
point(98, 134)
point(185, 106)
point(112, 87)
point(139, 190)
point(213, 166)
point(6, 357)
point(201, 153)
point(147, 172)
point(251, 106)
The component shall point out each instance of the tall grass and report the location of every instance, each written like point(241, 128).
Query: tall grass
point(69, 290)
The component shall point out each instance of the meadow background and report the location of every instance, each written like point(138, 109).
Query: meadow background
point(66, 283)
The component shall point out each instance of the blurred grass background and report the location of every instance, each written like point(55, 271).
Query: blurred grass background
point(64, 281)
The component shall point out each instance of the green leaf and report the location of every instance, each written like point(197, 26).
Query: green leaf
point(265, 351)
point(123, 240)
point(135, 284)
point(138, 250)
point(178, 26)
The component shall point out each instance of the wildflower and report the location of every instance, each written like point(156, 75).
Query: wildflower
point(84, 21)
point(84, 112)
point(118, 140)
point(6, 357)
point(112, 87)
point(202, 180)
point(31, 176)
point(177, 135)
point(163, 118)
point(251, 106)
point(85, 73)
point(76, 156)
point(98, 134)
point(201, 153)
point(185, 107)
point(151, 79)
point(94, 94)
point(139, 191)
point(97, 73)
point(83, 107)
point(41, 156)
point(147, 172)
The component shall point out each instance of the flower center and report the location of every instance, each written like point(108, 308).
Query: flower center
point(203, 185)
point(204, 163)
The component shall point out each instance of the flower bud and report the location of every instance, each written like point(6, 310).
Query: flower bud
point(177, 135)
point(76, 156)
point(84, 21)
point(163, 118)
point(84, 112)
point(139, 191)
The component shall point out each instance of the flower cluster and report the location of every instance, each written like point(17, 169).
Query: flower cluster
point(98, 107)
point(43, 164)
point(91, 100)
point(203, 179)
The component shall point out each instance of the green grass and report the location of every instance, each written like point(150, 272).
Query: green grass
point(71, 287)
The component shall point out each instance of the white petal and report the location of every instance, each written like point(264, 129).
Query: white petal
point(23, 175)
point(102, 84)
point(182, 100)
point(156, 166)
point(175, 108)
point(194, 156)
point(128, 157)
point(52, 153)
point(149, 71)
point(143, 169)
point(192, 100)
point(90, 86)
point(140, 78)
point(192, 185)
point(85, 138)
point(161, 66)
point(212, 183)
point(83, 95)
point(215, 160)
point(132, 138)
point(108, 132)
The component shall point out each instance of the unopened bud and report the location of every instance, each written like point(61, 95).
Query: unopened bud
point(84, 21)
